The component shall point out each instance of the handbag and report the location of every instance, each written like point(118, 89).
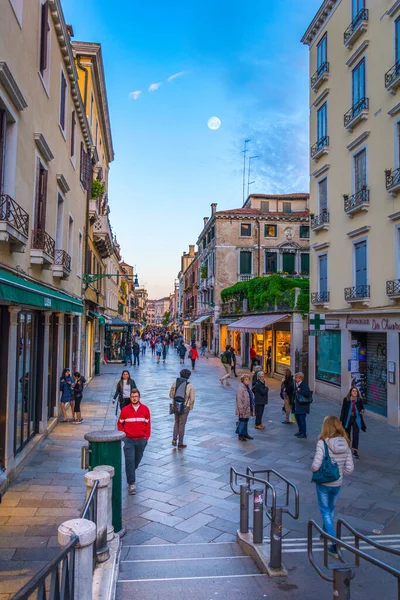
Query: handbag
point(240, 428)
point(177, 408)
point(328, 471)
point(303, 400)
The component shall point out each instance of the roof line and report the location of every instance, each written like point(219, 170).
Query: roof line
point(318, 21)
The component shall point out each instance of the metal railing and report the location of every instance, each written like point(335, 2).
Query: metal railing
point(356, 200)
point(63, 259)
point(393, 287)
point(355, 110)
point(324, 68)
point(319, 145)
point(320, 220)
point(392, 74)
point(392, 178)
point(361, 16)
point(242, 277)
point(89, 511)
point(41, 240)
point(344, 572)
point(14, 214)
point(55, 580)
point(319, 297)
point(357, 292)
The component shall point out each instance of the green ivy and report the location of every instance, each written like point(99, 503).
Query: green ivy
point(204, 272)
point(262, 293)
point(97, 188)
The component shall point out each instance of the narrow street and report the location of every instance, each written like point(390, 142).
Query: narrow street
point(184, 498)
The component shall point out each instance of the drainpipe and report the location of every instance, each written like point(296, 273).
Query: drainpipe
point(86, 82)
point(259, 247)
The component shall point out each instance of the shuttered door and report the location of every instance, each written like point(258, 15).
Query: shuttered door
point(377, 373)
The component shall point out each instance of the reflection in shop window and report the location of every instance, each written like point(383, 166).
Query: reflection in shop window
point(328, 357)
point(282, 351)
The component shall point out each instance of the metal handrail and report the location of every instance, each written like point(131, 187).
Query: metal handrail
point(14, 214)
point(250, 478)
point(359, 536)
point(61, 584)
point(289, 484)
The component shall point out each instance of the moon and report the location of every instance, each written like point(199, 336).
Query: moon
point(214, 123)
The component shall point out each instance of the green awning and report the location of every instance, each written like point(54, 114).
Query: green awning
point(19, 290)
point(101, 318)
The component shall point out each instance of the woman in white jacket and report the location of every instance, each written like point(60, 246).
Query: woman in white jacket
point(335, 436)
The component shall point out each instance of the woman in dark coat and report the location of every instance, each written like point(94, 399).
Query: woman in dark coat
point(260, 392)
point(287, 390)
point(123, 390)
point(301, 409)
point(352, 417)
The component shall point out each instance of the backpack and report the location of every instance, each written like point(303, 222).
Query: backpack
point(180, 395)
point(224, 358)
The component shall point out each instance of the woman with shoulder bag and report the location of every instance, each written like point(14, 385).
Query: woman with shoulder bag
point(333, 446)
point(260, 392)
point(287, 389)
point(244, 407)
point(123, 391)
point(352, 417)
point(302, 399)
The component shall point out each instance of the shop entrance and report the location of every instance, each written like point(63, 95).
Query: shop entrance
point(118, 332)
point(4, 333)
point(369, 353)
point(52, 375)
point(282, 350)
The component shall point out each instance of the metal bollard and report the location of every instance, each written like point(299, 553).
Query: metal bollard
point(341, 583)
point(258, 517)
point(244, 509)
point(276, 540)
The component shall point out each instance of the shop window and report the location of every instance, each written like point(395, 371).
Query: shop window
point(245, 230)
point(305, 263)
point(288, 262)
point(304, 232)
point(25, 401)
point(271, 262)
point(282, 351)
point(328, 358)
point(270, 231)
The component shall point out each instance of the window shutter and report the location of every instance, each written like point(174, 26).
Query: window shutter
point(43, 199)
point(44, 28)
point(62, 100)
point(323, 273)
point(264, 206)
point(37, 194)
point(323, 194)
point(245, 263)
point(73, 124)
point(82, 165)
point(305, 263)
point(288, 260)
point(88, 171)
point(3, 125)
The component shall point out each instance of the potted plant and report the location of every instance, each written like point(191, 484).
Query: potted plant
point(97, 188)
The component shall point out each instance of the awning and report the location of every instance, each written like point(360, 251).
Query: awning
point(201, 319)
point(19, 290)
point(256, 323)
point(101, 318)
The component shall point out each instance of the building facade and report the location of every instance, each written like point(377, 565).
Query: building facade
point(150, 313)
point(161, 307)
point(189, 304)
point(355, 162)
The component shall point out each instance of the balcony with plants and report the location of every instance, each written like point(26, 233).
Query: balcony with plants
point(96, 192)
point(392, 181)
point(356, 202)
point(321, 221)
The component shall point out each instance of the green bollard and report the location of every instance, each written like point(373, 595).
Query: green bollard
point(105, 449)
point(97, 355)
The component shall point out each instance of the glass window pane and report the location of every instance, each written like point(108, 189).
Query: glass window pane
point(328, 357)
point(271, 262)
point(245, 229)
point(245, 263)
point(287, 207)
point(304, 232)
point(270, 230)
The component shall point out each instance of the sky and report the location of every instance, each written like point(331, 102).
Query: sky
point(170, 67)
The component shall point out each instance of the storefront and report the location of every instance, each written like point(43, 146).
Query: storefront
point(117, 333)
point(362, 350)
point(201, 330)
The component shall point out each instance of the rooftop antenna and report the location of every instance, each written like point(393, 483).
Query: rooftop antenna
point(249, 183)
point(244, 151)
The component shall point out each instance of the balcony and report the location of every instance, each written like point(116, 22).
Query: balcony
point(392, 177)
point(42, 248)
point(358, 293)
point(93, 209)
point(393, 289)
point(392, 78)
point(357, 202)
point(357, 113)
point(320, 222)
point(320, 75)
point(242, 277)
point(356, 28)
point(62, 264)
point(320, 148)
point(102, 236)
point(14, 223)
point(318, 298)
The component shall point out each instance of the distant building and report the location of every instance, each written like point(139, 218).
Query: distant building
point(150, 312)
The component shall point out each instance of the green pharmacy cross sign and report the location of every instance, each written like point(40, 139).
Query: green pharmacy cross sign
point(317, 324)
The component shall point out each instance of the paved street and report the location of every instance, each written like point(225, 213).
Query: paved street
point(184, 501)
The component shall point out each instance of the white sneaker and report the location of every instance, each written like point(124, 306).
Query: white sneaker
point(132, 489)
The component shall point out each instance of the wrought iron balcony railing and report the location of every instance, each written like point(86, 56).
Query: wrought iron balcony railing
point(392, 74)
point(355, 111)
point(319, 221)
point(319, 297)
point(355, 24)
point(321, 144)
point(242, 277)
point(393, 288)
point(62, 259)
point(324, 68)
point(41, 240)
point(14, 214)
point(357, 292)
point(392, 177)
point(357, 200)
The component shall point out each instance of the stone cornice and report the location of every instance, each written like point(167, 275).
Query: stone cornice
point(62, 182)
point(11, 87)
point(359, 231)
point(393, 9)
point(320, 171)
point(357, 54)
point(43, 146)
point(321, 97)
point(358, 140)
point(395, 110)
point(322, 246)
point(319, 21)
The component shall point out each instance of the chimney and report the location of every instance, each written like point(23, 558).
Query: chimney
point(205, 219)
point(213, 208)
point(191, 250)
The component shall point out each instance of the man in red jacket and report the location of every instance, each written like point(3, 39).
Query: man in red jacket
point(134, 421)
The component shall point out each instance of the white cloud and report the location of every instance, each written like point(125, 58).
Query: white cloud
point(172, 77)
point(135, 95)
point(154, 87)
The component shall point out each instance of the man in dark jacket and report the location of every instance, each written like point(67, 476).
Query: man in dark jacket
point(226, 360)
point(260, 392)
point(136, 353)
point(128, 353)
point(302, 399)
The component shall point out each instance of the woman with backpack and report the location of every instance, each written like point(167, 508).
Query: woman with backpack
point(352, 417)
point(193, 355)
point(334, 444)
point(123, 391)
point(181, 392)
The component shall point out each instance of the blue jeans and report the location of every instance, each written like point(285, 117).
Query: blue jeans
point(203, 350)
point(128, 358)
point(327, 497)
point(302, 424)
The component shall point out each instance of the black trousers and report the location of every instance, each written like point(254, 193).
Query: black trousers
point(254, 361)
point(356, 432)
point(259, 413)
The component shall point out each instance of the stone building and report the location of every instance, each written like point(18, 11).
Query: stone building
point(150, 312)
point(161, 307)
point(189, 307)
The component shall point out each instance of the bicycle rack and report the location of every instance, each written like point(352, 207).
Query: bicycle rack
point(344, 572)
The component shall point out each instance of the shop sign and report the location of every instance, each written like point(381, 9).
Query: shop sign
point(47, 302)
point(317, 322)
point(369, 324)
point(317, 332)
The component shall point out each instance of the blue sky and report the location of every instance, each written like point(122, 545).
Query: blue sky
point(242, 62)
